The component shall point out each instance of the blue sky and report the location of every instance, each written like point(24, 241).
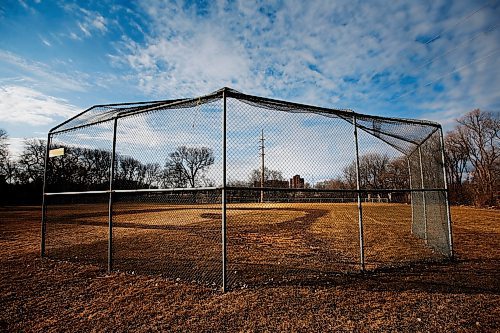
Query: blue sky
point(418, 59)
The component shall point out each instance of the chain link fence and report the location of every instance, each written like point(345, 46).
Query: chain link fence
point(234, 190)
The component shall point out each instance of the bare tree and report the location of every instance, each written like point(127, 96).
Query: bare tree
point(456, 156)
point(333, 184)
point(172, 176)
point(6, 165)
point(269, 175)
point(31, 161)
point(373, 168)
point(130, 172)
point(396, 174)
point(349, 175)
point(3, 147)
point(79, 169)
point(98, 163)
point(372, 171)
point(457, 167)
point(64, 171)
point(187, 165)
point(479, 133)
point(152, 175)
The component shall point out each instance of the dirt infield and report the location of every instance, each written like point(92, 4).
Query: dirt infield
point(266, 243)
point(288, 276)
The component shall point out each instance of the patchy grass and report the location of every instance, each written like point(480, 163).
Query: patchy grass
point(288, 265)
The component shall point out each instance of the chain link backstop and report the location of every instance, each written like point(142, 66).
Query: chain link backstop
point(232, 190)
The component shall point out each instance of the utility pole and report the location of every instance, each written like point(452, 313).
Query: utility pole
point(262, 166)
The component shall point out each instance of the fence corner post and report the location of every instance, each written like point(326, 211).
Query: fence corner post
point(111, 197)
point(223, 199)
point(423, 192)
point(447, 196)
point(44, 203)
point(360, 207)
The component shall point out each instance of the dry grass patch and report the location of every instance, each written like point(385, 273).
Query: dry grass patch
point(52, 295)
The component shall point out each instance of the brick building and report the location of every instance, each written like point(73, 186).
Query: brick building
point(296, 182)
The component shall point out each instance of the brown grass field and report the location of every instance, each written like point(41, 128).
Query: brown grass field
point(291, 267)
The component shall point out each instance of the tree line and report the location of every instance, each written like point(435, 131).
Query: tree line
point(376, 171)
point(472, 156)
point(88, 169)
point(472, 152)
point(472, 159)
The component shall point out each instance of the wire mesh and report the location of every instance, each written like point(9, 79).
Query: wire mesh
point(430, 219)
point(175, 234)
point(290, 186)
point(77, 228)
point(106, 113)
point(170, 148)
point(288, 231)
point(418, 226)
point(77, 224)
point(401, 135)
point(310, 145)
point(293, 237)
point(435, 201)
point(387, 233)
point(86, 162)
point(387, 206)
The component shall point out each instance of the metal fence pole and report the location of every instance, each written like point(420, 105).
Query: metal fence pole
point(411, 193)
point(423, 192)
point(448, 212)
point(44, 203)
point(262, 171)
point(110, 206)
point(223, 231)
point(360, 208)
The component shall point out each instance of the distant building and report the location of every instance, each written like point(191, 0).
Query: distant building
point(296, 182)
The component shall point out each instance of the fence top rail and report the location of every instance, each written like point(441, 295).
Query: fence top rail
point(104, 112)
point(317, 190)
point(387, 129)
point(142, 190)
point(245, 189)
point(346, 114)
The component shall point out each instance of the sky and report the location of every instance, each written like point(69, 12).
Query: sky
point(432, 60)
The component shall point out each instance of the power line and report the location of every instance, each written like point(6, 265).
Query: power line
point(460, 21)
point(448, 74)
point(489, 29)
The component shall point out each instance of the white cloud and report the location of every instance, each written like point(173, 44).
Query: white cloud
point(355, 54)
point(45, 41)
point(88, 22)
point(74, 36)
point(99, 23)
point(16, 146)
point(325, 53)
point(359, 55)
point(20, 105)
point(199, 64)
point(44, 75)
point(83, 28)
point(24, 4)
